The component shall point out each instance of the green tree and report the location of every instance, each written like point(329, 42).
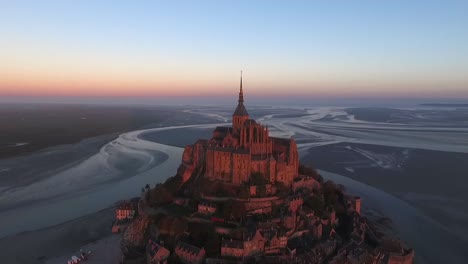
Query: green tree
point(304, 170)
point(315, 204)
point(330, 193)
point(159, 196)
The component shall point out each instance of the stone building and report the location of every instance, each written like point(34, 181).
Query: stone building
point(232, 248)
point(189, 254)
point(206, 207)
point(124, 214)
point(254, 243)
point(156, 254)
point(234, 153)
point(353, 203)
point(125, 211)
point(274, 241)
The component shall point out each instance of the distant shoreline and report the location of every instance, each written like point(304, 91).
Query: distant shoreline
point(444, 105)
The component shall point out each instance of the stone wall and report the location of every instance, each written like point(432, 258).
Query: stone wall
point(406, 258)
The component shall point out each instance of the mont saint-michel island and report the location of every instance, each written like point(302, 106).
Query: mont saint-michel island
point(242, 196)
point(233, 132)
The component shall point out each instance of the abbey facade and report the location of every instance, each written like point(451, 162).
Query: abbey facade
point(235, 153)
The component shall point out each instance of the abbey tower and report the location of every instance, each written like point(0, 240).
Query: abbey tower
point(234, 153)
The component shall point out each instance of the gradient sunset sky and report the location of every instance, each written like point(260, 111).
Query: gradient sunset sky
point(342, 49)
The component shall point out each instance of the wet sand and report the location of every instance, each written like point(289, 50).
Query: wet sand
point(429, 180)
point(179, 137)
point(93, 185)
point(432, 241)
point(62, 241)
point(104, 251)
point(48, 161)
point(60, 228)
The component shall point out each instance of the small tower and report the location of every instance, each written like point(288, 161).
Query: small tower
point(240, 115)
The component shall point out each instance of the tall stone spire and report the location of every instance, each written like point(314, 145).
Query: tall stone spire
point(240, 110)
point(240, 114)
point(241, 93)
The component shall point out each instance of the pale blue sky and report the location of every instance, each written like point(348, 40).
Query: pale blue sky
point(317, 48)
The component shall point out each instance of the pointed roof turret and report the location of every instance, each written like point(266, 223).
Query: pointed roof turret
point(241, 93)
point(240, 110)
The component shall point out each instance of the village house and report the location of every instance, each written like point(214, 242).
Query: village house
point(125, 211)
point(124, 214)
point(353, 203)
point(232, 248)
point(272, 245)
point(274, 241)
point(206, 207)
point(254, 243)
point(189, 254)
point(156, 254)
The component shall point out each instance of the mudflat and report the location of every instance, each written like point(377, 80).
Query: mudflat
point(25, 128)
point(59, 241)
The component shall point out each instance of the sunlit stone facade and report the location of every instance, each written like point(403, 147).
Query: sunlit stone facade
point(234, 153)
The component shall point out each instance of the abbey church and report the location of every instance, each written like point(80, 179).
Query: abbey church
point(234, 153)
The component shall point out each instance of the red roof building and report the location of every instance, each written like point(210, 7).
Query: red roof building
point(189, 254)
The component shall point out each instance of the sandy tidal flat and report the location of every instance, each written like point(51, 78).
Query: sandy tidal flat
point(123, 166)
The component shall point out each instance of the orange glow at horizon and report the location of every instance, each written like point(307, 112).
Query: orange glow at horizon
point(92, 48)
point(52, 71)
point(121, 88)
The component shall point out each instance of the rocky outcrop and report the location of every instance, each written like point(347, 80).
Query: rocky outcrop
point(134, 237)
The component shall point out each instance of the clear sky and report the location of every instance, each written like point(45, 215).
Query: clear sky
point(340, 49)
